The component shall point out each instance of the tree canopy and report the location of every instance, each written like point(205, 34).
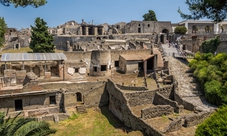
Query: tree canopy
point(41, 39)
point(3, 28)
point(212, 9)
point(150, 16)
point(180, 30)
point(23, 3)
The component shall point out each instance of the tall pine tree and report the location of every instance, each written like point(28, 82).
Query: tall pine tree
point(3, 28)
point(41, 39)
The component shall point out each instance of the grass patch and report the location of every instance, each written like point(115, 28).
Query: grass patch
point(93, 123)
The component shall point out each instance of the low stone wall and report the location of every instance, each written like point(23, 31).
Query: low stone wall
point(165, 91)
point(161, 100)
point(42, 111)
point(192, 120)
point(156, 111)
point(140, 98)
point(174, 125)
point(187, 121)
point(53, 117)
point(131, 88)
point(178, 99)
point(120, 108)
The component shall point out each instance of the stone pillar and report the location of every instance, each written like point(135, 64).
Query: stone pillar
point(80, 31)
point(102, 31)
point(18, 46)
point(86, 31)
point(155, 61)
point(42, 71)
point(95, 30)
point(145, 68)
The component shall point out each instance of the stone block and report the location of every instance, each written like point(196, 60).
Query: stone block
point(47, 75)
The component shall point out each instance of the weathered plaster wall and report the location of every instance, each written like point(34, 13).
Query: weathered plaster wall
point(29, 101)
point(148, 26)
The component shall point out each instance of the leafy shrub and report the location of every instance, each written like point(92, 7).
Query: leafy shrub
point(180, 30)
point(215, 125)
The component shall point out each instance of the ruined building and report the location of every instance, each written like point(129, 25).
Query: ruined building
point(120, 66)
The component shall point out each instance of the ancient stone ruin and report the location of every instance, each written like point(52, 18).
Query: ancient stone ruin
point(122, 66)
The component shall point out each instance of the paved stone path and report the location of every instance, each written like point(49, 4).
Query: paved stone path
point(188, 87)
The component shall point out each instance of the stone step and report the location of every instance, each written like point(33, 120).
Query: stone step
point(81, 109)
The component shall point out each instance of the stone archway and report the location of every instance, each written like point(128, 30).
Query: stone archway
point(166, 31)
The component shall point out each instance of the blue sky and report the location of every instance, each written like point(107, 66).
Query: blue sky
point(57, 12)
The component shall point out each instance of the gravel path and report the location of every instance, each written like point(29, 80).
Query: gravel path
point(188, 87)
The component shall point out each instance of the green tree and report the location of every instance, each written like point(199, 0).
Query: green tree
point(180, 30)
point(210, 45)
point(3, 28)
point(211, 72)
point(41, 39)
point(215, 125)
point(211, 9)
point(150, 16)
point(19, 126)
point(23, 3)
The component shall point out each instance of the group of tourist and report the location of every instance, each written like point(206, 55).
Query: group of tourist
point(171, 44)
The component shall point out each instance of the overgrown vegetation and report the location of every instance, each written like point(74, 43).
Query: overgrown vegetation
point(211, 71)
point(215, 125)
point(210, 45)
point(19, 126)
point(180, 30)
point(41, 39)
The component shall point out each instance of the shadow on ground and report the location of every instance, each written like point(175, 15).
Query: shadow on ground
point(114, 121)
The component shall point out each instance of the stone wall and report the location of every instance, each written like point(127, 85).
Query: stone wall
point(187, 121)
point(179, 100)
point(222, 47)
point(132, 88)
point(148, 26)
point(140, 98)
point(165, 91)
point(120, 108)
point(98, 58)
point(93, 93)
point(156, 111)
point(161, 100)
point(195, 119)
point(201, 27)
point(29, 101)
